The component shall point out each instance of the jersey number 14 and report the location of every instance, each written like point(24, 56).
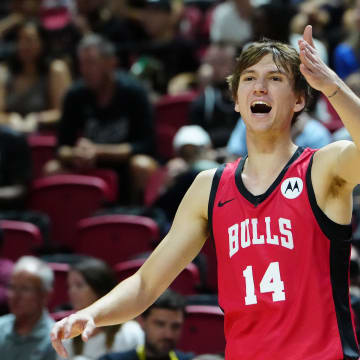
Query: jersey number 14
point(271, 282)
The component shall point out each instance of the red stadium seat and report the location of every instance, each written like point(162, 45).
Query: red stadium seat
point(116, 238)
point(185, 283)
point(171, 112)
point(20, 238)
point(42, 150)
point(203, 330)
point(67, 199)
point(60, 292)
point(111, 179)
point(153, 185)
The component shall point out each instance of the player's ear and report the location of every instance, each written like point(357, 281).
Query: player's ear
point(300, 103)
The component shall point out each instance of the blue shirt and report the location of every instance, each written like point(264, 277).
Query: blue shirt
point(34, 346)
point(345, 61)
point(314, 135)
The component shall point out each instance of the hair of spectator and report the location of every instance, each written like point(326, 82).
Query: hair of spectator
point(284, 56)
point(97, 274)
point(169, 300)
point(104, 46)
point(38, 268)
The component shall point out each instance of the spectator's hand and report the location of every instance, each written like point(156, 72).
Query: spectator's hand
point(85, 154)
point(70, 327)
point(316, 72)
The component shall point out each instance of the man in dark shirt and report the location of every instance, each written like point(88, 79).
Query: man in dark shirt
point(106, 119)
point(162, 323)
point(213, 108)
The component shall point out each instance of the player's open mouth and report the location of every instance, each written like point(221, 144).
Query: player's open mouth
point(260, 107)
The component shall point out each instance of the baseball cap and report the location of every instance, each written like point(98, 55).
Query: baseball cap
point(191, 135)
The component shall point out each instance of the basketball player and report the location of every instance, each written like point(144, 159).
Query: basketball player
point(280, 219)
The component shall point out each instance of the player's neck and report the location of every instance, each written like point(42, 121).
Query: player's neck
point(268, 157)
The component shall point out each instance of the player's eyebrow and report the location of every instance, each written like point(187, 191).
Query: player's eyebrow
point(278, 71)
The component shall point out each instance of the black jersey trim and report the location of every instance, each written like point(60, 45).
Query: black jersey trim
point(257, 199)
point(331, 229)
point(340, 245)
point(213, 190)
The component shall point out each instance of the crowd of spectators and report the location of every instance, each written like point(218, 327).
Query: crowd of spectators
point(91, 73)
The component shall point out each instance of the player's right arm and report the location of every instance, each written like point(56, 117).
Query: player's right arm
point(135, 294)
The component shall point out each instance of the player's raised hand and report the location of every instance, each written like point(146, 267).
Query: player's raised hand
point(316, 72)
point(70, 327)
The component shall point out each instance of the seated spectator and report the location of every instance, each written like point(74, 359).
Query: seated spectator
point(88, 280)
point(25, 332)
point(31, 88)
point(106, 121)
point(193, 147)
point(162, 323)
point(20, 11)
point(6, 267)
point(231, 22)
point(213, 109)
point(165, 53)
point(346, 54)
point(99, 18)
point(15, 178)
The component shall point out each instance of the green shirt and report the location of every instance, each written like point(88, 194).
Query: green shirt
point(34, 346)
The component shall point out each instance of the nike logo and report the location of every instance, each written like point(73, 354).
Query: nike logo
point(220, 204)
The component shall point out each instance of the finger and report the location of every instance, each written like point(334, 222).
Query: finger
point(59, 347)
point(307, 60)
point(308, 35)
point(89, 328)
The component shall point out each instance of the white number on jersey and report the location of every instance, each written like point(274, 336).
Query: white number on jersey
point(271, 282)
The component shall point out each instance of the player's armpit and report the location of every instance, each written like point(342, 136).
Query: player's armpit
point(343, 159)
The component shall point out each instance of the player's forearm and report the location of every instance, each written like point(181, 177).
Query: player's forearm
point(126, 301)
point(113, 153)
point(347, 105)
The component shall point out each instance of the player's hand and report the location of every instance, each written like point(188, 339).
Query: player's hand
point(70, 327)
point(316, 72)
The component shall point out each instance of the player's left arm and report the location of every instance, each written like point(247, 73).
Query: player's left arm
point(345, 155)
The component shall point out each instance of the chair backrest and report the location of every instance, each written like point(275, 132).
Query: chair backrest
point(67, 199)
point(171, 112)
point(59, 295)
point(185, 283)
point(20, 238)
point(42, 150)
point(111, 179)
point(154, 184)
point(203, 330)
point(116, 238)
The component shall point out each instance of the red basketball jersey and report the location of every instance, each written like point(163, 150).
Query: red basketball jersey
point(282, 268)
